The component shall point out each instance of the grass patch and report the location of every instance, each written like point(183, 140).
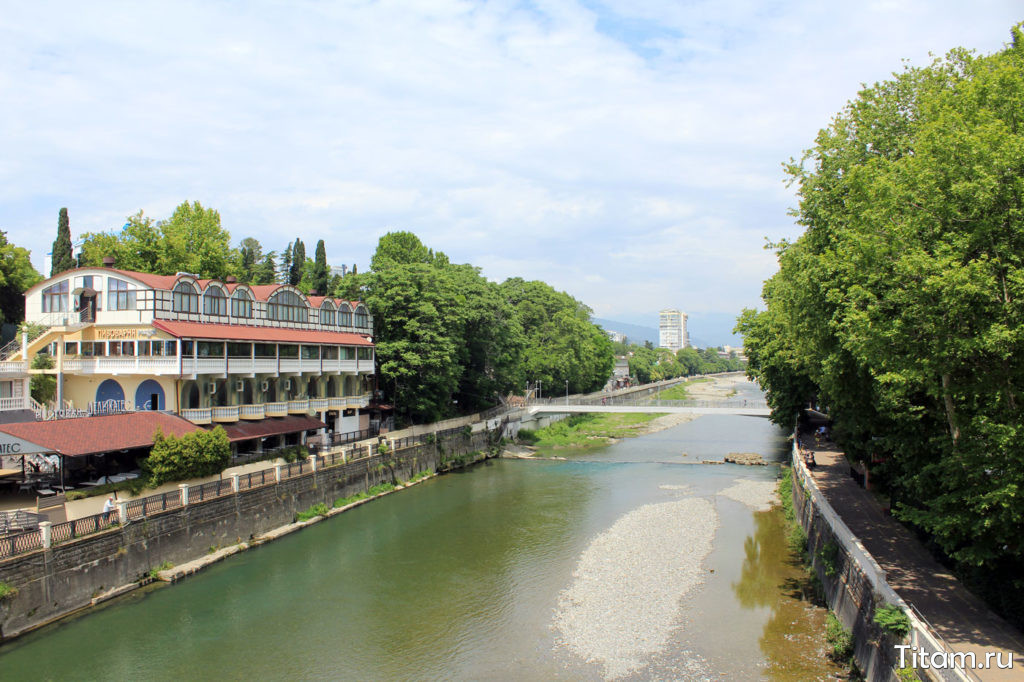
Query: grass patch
point(892, 619)
point(381, 488)
point(839, 638)
point(312, 512)
point(584, 429)
point(164, 566)
point(420, 476)
point(375, 490)
point(344, 501)
point(7, 591)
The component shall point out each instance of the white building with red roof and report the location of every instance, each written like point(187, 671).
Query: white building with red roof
point(209, 351)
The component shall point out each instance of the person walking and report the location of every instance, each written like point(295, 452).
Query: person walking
point(108, 506)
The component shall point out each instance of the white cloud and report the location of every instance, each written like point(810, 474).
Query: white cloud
point(627, 151)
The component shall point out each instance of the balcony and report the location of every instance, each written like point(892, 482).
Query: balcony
point(224, 414)
point(19, 403)
point(359, 401)
point(12, 368)
point(121, 365)
point(337, 403)
point(298, 407)
point(198, 416)
point(276, 409)
point(319, 404)
point(252, 411)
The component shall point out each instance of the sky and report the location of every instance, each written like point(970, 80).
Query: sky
point(628, 152)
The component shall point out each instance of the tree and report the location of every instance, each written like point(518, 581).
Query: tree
point(43, 387)
point(298, 263)
point(16, 276)
point(61, 257)
point(193, 241)
point(901, 307)
point(200, 453)
point(285, 270)
point(265, 271)
point(250, 253)
point(137, 246)
point(319, 272)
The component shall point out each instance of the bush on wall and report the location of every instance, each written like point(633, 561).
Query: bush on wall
point(201, 453)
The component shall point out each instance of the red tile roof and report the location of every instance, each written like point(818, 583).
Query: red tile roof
point(270, 427)
point(238, 332)
point(91, 435)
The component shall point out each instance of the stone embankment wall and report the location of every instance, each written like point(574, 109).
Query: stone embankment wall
point(56, 581)
point(855, 585)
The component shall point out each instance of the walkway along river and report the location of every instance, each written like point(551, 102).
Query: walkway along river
point(483, 574)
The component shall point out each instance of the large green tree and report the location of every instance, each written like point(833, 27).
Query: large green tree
point(901, 307)
point(298, 265)
point(61, 258)
point(16, 276)
point(319, 274)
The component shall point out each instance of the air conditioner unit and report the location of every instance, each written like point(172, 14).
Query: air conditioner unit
point(211, 387)
point(240, 385)
point(287, 384)
point(265, 386)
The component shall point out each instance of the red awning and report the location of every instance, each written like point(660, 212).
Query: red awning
point(106, 433)
point(272, 426)
point(238, 332)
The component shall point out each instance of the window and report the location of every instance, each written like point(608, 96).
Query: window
point(288, 351)
point(265, 350)
point(211, 349)
point(330, 352)
point(119, 295)
point(348, 353)
point(186, 300)
point(241, 304)
point(311, 352)
point(239, 350)
point(287, 306)
point(71, 348)
point(95, 349)
point(55, 298)
point(366, 354)
point(362, 318)
point(345, 317)
point(121, 348)
point(144, 348)
point(188, 348)
point(327, 313)
point(214, 301)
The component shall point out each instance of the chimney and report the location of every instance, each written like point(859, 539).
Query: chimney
point(108, 261)
point(313, 292)
point(230, 279)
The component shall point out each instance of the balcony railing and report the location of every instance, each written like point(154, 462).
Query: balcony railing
point(19, 403)
point(10, 368)
point(169, 365)
point(122, 365)
point(298, 406)
point(319, 404)
point(251, 411)
point(225, 414)
point(276, 409)
point(201, 415)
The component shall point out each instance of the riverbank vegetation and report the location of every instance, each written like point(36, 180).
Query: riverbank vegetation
point(900, 310)
point(587, 429)
point(648, 364)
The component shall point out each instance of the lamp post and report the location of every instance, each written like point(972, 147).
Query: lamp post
point(540, 389)
point(566, 391)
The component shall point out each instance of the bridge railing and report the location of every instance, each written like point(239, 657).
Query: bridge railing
point(648, 402)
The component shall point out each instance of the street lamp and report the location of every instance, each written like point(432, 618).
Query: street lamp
point(540, 389)
point(566, 391)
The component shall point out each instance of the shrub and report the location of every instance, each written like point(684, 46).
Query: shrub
point(891, 618)
point(382, 447)
point(829, 556)
point(7, 591)
point(839, 638)
point(528, 436)
point(43, 387)
point(201, 453)
point(314, 511)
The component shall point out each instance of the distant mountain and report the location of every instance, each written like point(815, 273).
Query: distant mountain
point(634, 332)
point(706, 329)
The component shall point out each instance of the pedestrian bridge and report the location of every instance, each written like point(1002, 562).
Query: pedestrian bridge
point(751, 408)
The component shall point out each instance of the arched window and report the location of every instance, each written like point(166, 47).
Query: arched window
point(55, 298)
point(327, 313)
point(214, 301)
point(186, 300)
point(241, 304)
point(287, 306)
point(120, 295)
point(362, 318)
point(344, 316)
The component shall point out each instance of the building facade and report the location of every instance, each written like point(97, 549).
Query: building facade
point(209, 351)
point(672, 332)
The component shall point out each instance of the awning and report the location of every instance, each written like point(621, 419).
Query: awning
point(106, 433)
point(240, 332)
point(272, 426)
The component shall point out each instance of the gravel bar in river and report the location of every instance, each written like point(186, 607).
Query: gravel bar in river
point(625, 596)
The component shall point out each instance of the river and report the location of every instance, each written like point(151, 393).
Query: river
point(468, 576)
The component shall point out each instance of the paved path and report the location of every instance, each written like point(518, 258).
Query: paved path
point(955, 614)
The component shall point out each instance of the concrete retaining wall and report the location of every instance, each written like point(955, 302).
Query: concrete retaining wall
point(855, 585)
point(57, 581)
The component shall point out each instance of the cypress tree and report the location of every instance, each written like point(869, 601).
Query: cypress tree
point(286, 264)
point(61, 259)
point(298, 262)
point(319, 275)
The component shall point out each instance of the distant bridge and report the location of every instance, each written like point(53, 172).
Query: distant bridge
point(752, 408)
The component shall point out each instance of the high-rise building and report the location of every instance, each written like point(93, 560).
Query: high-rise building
point(672, 329)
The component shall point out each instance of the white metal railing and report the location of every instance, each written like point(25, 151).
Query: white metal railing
point(121, 365)
point(13, 367)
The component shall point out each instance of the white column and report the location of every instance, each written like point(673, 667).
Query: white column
point(44, 533)
point(234, 482)
point(183, 487)
point(277, 472)
point(312, 462)
point(122, 511)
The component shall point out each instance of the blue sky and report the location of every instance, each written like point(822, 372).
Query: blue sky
point(626, 151)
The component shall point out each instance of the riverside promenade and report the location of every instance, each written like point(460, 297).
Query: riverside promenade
point(961, 619)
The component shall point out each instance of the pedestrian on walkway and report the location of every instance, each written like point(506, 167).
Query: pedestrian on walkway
point(108, 505)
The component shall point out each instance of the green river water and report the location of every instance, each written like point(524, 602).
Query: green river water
point(459, 578)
